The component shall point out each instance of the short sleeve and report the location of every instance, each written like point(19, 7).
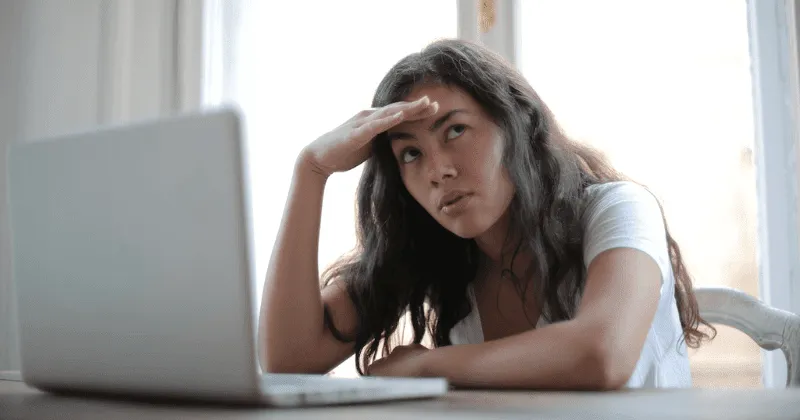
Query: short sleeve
point(625, 215)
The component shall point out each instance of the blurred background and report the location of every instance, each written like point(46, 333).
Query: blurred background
point(664, 88)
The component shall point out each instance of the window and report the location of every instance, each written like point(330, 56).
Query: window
point(664, 88)
point(299, 73)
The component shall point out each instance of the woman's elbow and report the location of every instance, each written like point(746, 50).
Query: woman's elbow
point(608, 367)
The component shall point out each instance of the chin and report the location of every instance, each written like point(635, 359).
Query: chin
point(465, 229)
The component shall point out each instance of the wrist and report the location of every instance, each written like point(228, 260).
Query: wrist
point(430, 365)
point(305, 167)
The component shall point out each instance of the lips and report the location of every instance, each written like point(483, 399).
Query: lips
point(452, 197)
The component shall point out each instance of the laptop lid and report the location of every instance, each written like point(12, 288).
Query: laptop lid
point(132, 258)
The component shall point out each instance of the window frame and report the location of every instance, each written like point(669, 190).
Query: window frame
point(776, 98)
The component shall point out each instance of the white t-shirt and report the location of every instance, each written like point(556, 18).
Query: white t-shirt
point(624, 214)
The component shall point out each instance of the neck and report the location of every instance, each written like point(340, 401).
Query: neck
point(499, 245)
point(499, 242)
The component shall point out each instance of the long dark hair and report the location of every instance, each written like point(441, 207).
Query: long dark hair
point(406, 264)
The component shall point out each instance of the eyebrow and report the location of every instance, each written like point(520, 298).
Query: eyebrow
point(435, 126)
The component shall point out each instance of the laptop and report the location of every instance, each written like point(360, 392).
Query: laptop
point(134, 271)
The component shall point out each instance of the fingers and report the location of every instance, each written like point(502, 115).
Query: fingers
point(376, 124)
point(374, 369)
point(409, 109)
point(374, 127)
point(410, 348)
point(426, 112)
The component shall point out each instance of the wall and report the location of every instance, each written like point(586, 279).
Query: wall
point(10, 78)
point(50, 55)
point(68, 66)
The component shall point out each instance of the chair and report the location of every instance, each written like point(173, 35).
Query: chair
point(769, 327)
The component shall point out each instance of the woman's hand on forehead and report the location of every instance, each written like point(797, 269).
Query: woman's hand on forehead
point(348, 145)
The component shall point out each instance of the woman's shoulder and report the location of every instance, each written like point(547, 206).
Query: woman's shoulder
point(600, 197)
point(623, 214)
point(616, 188)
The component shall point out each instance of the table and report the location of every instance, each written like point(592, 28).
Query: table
point(20, 402)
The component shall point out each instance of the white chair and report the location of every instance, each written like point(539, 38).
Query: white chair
point(769, 327)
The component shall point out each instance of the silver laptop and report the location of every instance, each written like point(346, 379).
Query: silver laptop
point(133, 265)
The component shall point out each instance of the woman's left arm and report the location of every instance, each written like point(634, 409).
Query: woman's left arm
point(626, 248)
point(598, 349)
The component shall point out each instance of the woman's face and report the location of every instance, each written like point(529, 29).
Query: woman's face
point(451, 162)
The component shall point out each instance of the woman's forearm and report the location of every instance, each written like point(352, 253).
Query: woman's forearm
point(291, 309)
point(558, 356)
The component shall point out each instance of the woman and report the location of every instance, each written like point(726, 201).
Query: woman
point(527, 259)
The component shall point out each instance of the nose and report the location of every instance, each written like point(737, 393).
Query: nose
point(442, 168)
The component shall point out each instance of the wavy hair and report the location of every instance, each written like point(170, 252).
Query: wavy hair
point(407, 264)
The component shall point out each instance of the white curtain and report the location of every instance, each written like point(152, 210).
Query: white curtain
point(74, 65)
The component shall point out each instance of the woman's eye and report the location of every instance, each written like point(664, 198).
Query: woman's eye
point(409, 155)
point(455, 131)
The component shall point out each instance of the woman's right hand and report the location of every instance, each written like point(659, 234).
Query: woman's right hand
point(349, 145)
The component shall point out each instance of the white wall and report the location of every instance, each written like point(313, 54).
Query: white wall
point(10, 78)
point(50, 85)
point(69, 66)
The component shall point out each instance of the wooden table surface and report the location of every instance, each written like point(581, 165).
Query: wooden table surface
point(19, 402)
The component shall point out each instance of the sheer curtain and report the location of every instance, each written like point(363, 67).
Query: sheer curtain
point(298, 70)
point(75, 65)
